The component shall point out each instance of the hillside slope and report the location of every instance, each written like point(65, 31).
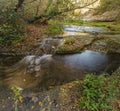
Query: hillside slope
point(107, 11)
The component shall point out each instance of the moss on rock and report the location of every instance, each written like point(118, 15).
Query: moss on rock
point(74, 44)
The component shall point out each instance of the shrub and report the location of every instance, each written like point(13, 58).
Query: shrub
point(11, 29)
point(54, 28)
point(8, 34)
point(98, 93)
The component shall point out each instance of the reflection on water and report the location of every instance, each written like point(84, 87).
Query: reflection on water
point(48, 70)
point(9, 60)
point(87, 61)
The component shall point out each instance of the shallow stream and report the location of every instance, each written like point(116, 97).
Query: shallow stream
point(50, 70)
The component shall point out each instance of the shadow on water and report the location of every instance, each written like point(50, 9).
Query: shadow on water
point(9, 60)
point(47, 70)
point(6, 62)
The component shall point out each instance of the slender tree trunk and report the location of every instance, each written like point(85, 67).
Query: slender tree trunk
point(19, 5)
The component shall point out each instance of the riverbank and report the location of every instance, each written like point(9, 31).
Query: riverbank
point(74, 41)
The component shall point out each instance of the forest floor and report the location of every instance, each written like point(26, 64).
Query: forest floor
point(32, 38)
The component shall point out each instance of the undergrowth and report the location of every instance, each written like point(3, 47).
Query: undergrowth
point(53, 28)
point(11, 29)
point(82, 22)
point(98, 93)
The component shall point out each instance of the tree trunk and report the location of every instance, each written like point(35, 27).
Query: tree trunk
point(19, 5)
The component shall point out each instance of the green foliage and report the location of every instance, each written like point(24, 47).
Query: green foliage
point(114, 27)
point(51, 9)
point(8, 34)
point(16, 96)
point(98, 93)
point(69, 40)
point(16, 92)
point(54, 28)
point(11, 29)
point(82, 22)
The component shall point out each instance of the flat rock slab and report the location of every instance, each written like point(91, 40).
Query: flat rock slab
point(97, 42)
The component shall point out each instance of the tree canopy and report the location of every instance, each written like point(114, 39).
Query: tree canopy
point(33, 10)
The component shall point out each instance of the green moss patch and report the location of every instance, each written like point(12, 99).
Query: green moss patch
point(82, 22)
point(53, 28)
point(74, 44)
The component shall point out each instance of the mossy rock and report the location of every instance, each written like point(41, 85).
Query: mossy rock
point(113, 44)
point(106, 43)
point(74, 44)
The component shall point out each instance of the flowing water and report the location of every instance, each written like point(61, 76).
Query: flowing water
point(81, 30)
point(73, 28)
